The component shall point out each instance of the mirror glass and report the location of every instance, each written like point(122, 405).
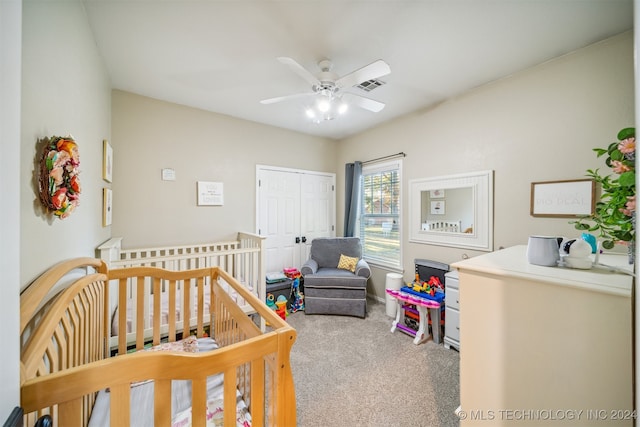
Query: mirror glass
point(447, 211)
point(454, 210)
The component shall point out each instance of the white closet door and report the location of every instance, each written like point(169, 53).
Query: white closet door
point(317, 210)
point(293, 208)
point(279, 218)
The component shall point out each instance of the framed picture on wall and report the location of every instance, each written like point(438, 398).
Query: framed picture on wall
point(107, 208)
point(107, 161)
point(210, 193)
point(437, 207)
point(563, 199)
point(436, 194)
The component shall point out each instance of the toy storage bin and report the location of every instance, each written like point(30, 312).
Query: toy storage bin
point(281, 288)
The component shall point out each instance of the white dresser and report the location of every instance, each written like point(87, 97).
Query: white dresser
point(544, 346)
point(452, 311)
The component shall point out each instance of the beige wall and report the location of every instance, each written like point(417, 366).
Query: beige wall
point(10, 54)
point(65, 90)
point(149, 135)
point(537, 125)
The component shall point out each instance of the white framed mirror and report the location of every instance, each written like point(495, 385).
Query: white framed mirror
point(453, 210)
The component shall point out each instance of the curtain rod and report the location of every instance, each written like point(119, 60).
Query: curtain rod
point(400, 154)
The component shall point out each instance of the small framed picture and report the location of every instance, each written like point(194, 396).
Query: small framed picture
point(436, 194)
point(107, 201)
point(437, 207)
point(107, 161)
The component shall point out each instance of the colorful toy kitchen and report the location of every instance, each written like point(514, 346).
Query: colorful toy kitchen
point(423, 302)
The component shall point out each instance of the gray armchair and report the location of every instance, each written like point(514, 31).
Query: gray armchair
point(329, 289)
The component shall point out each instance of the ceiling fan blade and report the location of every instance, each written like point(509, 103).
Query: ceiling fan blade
point(299, 70)
point(285, 98)
point(362, 102)
point(372, 71)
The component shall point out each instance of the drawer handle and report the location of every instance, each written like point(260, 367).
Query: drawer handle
point(457, 302)
point(458, 327)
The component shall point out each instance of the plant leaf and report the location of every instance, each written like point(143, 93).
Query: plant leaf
point(627, 179)
point(626, 133)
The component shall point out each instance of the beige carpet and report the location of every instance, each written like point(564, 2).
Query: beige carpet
point(354, 372)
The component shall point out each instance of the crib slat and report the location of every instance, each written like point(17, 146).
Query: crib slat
point(69, 413)
point(64, 343)
point(140, 312)
point(157, 313)
point(199, 402)
point(171, 318)
point(120, 409)
point(162, 403)
point(122, 316)
point(200, 317)
point(257, 392)
point(230, 378)
point(187, 300)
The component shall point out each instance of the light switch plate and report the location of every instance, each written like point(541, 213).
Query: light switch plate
point(168, 174)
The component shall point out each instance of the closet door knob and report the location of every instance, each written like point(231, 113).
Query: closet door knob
point(297, 240)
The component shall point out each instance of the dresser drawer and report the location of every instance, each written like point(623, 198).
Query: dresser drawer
point(452, 324)
point(452, 279)
point(452, 298)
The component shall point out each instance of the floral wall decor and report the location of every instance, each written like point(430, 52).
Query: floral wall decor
point(615, 212)
point(59, 179)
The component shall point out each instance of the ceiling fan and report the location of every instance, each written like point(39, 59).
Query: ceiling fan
point(329, 88)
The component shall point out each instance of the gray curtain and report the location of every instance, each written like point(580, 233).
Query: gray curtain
point(352, 174)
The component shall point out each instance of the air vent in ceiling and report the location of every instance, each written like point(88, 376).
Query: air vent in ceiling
point(370, 85)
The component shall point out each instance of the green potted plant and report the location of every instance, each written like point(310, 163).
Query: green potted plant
point(614, 216)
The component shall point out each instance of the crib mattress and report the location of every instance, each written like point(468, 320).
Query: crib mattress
point(142, 401)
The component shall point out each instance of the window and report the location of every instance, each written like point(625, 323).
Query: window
point(379, 219)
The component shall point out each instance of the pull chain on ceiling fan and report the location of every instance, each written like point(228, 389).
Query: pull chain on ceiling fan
point(328, 88)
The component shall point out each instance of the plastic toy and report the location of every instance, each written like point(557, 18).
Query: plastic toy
point(435, 282)
point(271, 301)
point(281, 303)
point(298, 297)
point(292, 273)
point(426, 305)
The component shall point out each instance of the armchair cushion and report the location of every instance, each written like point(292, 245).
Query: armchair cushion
point(326, 251)
point(348, 263)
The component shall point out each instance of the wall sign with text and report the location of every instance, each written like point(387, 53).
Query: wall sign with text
point(210, 193)
point(563, 199)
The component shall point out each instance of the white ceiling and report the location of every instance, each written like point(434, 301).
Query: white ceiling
point(220, 55)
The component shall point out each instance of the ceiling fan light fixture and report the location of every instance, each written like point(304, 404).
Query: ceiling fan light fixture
point(324, 104)
point(327, 89)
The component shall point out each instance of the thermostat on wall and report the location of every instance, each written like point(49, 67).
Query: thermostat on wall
point(168, 174)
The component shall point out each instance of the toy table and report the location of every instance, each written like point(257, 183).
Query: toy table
point(422, 304)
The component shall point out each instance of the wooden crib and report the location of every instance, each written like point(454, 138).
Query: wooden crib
point(242, 258)
point(66, 359)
